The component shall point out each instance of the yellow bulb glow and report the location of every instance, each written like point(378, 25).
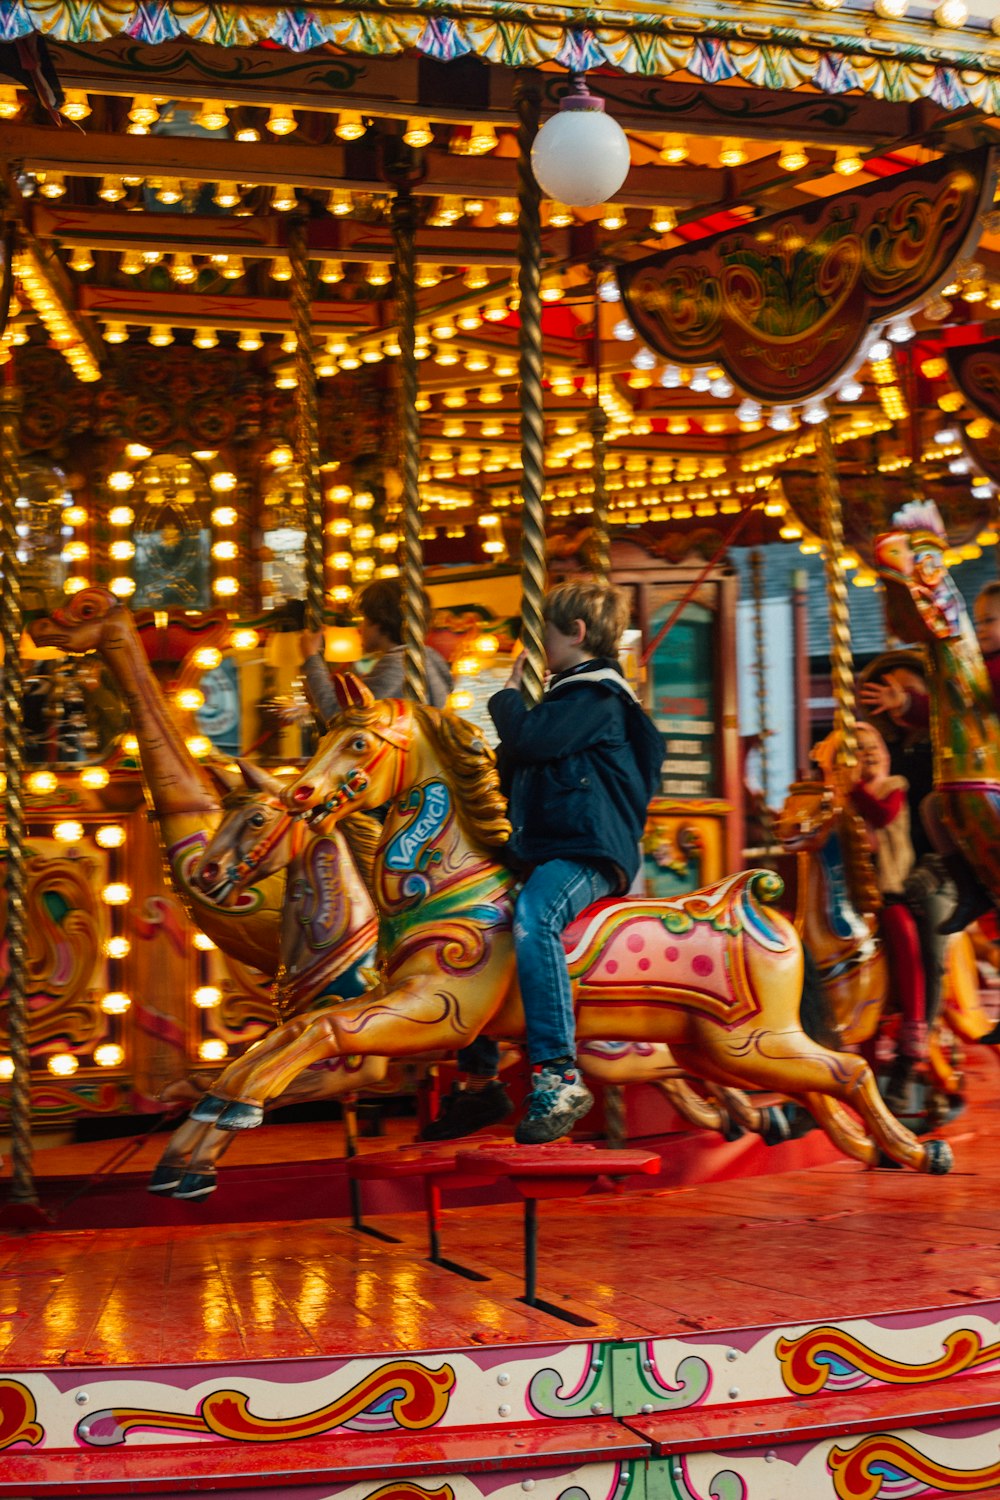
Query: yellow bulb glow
point(117, 947)
point(109, 1055)
point(41, 783)
point(116, 893)
point(226, 587)
point(122, 551)
point(120, 480)
point(203, 942)
point(130, 745)
point(6, 1063)
point(207, 657)
point(281, 120)
point(121, 515)
point(349, 126)
point(224, 515)
point(207, 996)
point(68, 832)
point(75, 584)
point(223, 482)
point(190, 699)
point(244, 640)
point(212, 1050)
point(198, 744)
point(75, 515)
point(122, 588)
point(460, 699)
point(94, 778)
point(115, 1003)
point(63, 1064)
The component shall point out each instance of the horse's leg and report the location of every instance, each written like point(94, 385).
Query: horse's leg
point(770, 1123)
point(176, 1155)
point(790, 1063)
point(231, 1083)
point(707, 1114)
point(842, 1128)
point(410, 1018)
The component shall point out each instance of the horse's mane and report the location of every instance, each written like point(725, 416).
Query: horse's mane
point(473, 766)
point(467, 757)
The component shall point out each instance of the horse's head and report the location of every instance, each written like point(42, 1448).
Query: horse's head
point(249, 842)
point(807, 816)
point(360, 762)
point(922, 602)
point(82, 624)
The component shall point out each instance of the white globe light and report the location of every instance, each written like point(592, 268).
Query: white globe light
point(581, 155)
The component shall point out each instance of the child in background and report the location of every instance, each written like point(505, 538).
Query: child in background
point(579, 768)
point(880, 800)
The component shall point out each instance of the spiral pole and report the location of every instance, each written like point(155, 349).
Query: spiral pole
point(841, 655)
point(760, 675)
point(529, 258)
point(598, 442)
point(404, 238)
point(23, 1180)
point(307, 421)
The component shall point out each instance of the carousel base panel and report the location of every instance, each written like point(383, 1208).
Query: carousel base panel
point(828, 1333)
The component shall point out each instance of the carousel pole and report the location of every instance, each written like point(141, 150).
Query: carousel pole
point(404, 235)
point(598, 432)
point(529, 256)
point(841, 656)
point(307, 421)
point(23, 1195)
point(760, 675)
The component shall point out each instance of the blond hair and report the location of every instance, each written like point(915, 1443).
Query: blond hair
point(603, 609)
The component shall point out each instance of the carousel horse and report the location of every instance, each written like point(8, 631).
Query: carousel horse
point(836, 915)
point(258, 834)
point(716, 974)
point(315, 931)
point(924, 606)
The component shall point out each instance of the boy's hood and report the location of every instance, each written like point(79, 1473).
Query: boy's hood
point(601, 672)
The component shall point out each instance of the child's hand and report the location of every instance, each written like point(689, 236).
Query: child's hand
point(884, 697)
point(517, 671)
point(311, 643)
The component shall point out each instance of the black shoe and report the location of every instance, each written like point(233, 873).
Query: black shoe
point(974, 900)
point(897, 1088)
point(464, 1111)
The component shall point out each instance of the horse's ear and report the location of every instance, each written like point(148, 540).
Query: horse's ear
point(259, 780)
point(223, 779)
point(350, 691)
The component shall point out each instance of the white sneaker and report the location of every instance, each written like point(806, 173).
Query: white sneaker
point(559, 1097)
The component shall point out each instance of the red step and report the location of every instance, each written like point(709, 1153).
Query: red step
point(807, 1418)
point(189, 1468)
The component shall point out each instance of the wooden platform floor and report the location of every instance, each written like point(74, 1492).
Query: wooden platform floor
point(834, 1240)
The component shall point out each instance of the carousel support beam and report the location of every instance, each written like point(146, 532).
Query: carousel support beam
point(307, 421)
point(760, 675)
point(22, 1207)
point(841, 655)
point(528, 102)
point(404, 231)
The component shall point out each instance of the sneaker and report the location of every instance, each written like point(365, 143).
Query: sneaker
point(559, 1097)
point(897, 1087)
point(464, 1111)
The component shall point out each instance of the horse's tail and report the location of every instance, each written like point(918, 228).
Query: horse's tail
point(815, 1010)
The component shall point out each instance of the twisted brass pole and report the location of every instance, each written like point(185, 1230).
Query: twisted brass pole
point(307, 421)
point(23, 1183)
point(529, 257)
point(760, 673)
point(841, 655)
point(598, 434)
point(404, 237)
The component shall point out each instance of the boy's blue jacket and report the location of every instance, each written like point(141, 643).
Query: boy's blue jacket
point(579, 769)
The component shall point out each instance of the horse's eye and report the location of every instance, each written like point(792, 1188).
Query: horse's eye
point(257, 821)
point(359, 743)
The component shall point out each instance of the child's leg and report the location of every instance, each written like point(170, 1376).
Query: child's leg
point(906, 968)
point(553, 895)
point(973, 898)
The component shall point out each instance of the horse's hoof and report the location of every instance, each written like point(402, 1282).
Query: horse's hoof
point(165, 1177)
point(776, 1129)
point(194, 1185)
point(940, 1158)
point(208, 1109)
point(238, 1116)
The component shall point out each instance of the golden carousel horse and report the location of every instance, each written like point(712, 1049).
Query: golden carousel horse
point(716, 975)
point(836, 914)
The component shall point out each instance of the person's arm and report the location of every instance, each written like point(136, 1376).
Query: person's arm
point(552, 730)
point(878, 812)
point(319, 688)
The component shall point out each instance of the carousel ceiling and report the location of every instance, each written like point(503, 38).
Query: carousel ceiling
point(155, 214)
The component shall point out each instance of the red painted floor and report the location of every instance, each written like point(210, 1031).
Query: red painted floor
point(834, 1239)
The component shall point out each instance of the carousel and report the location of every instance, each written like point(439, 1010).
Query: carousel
point(473, 300)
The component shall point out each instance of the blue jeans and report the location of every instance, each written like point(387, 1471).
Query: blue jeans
point(554, 894)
